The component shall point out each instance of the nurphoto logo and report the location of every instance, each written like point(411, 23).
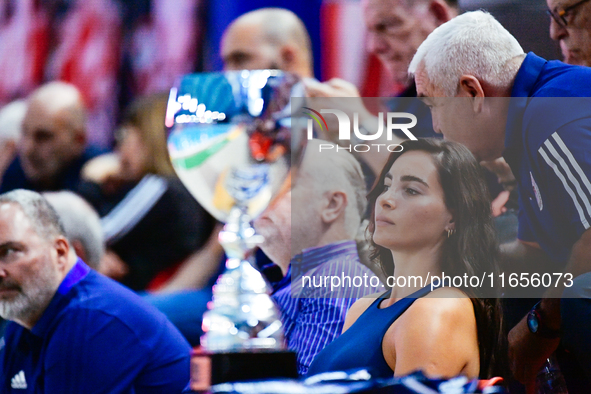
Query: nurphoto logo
point(394, 121)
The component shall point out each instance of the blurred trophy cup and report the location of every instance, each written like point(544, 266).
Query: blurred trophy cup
point(233, 143)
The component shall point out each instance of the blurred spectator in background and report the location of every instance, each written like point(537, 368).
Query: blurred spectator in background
point(112, 50)
point(159, 238)
point(52, 149)
point(11, 122)
point(268, 38)
point(396, 28)
point(85, 49)
point(570, 25)
point(310, 230)
point(150, 221)
point(81, 224)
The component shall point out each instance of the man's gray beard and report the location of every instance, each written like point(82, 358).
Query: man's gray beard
point(33, 298)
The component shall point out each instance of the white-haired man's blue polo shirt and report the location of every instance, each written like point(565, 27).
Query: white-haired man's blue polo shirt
point(548, 146)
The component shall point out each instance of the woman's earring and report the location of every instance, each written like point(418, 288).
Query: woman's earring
point(450, 232)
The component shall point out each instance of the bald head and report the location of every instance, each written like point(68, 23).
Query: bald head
point(54, 132)
point(61, 99)
point(272, 38)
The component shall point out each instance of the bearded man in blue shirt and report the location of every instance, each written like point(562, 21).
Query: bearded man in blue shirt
point(71, 329)
point(465, 70)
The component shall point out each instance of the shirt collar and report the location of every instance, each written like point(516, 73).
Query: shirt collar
point(523, 87)
point(59, 300)
point(312, 258)
point(285, 281)
point(527, 76)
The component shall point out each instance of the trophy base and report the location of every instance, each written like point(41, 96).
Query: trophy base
point(208, 369)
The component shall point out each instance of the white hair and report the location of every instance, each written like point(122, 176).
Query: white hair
point(81, 223)
point(337, 169)
point(473, 43)
point(11, 120)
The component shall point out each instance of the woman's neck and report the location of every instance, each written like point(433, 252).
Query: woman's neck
point(409, 266)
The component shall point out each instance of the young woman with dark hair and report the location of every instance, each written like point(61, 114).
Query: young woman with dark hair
point(431, 216)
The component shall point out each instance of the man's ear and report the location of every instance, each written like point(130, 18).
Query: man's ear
point(288, 56)
point(62, 249)
point(336, 204)
point(471, 87)
point(440, 11)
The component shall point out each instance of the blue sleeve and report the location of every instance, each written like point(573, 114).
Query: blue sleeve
point(319, 322)
point(565, 166)
point(92, 352)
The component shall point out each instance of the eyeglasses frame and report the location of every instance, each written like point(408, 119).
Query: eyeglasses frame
point(559, 16)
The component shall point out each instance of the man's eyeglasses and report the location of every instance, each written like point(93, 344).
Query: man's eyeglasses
point(560, 15)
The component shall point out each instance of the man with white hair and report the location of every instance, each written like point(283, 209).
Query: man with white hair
point(310, 232)
point(71, 329)
point(545, 138)
point(52, 149)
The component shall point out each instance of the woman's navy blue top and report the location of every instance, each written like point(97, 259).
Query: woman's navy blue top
point(361, 345)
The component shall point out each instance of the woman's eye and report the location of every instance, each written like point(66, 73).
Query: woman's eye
point(412, 192)
point(386, 187)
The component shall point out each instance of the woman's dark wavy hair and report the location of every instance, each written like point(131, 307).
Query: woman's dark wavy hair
point(473, 249)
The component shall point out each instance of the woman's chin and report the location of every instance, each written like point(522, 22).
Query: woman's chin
point(384, 242)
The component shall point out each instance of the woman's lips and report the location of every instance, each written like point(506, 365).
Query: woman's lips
point(383, 221)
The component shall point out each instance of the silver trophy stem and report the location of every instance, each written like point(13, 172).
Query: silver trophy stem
point(238, 237)
point(242, 316)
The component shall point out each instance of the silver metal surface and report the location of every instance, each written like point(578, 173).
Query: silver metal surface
point(232, 144)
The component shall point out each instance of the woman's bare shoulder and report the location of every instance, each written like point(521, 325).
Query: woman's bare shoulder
point(437, 333)
point(358, 308)
point(444, 315)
